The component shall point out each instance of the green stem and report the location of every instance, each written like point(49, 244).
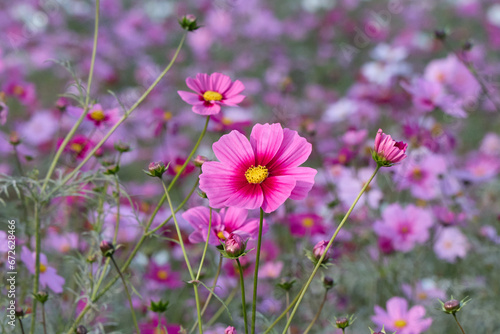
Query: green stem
point(256, 273)
point(222, 308)
point(316, 268)
point(205, 306)
point(243, 300)
point(128, 294)
point(43, 319)
point(181, 242)
point(37, 267)
point(317, 313)
point(85, 107)
point(124, 117)
point(18, 160)
point(206, 244)
point(287, 299)
point(458, 323)
point(21, 325)
point(285, 312)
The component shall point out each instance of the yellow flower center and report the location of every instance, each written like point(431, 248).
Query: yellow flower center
point(167, 115)
point(162, 274)
point(307, 222)
point(75, 147)
point(18, 90)
point(257, 174)
point(422, 295)
point(400, 323)
point(221, 236)
point(160, 331)
point(97, 115)
point(417, 174)
point(43, 268)
point(226, 121)
point(212, 96)
point(177, 169)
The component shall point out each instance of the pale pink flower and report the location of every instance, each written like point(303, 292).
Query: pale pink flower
point(401, 319)
point(261, 172)
point(212, 91)
point(48, 275)
point(451, 244)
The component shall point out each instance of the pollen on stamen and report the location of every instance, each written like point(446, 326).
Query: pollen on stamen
point(256, 175)
point(210, 95)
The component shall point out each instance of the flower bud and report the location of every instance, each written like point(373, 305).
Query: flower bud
point(156, 169)
point(188, 22)
point(230, 330)
point(122, 147)
point(452, 305)
point(328, 282)
point(199, 160)
point(42, 296)
point(107, 248)
point(14, 138)
point(387, 151)
point(235, 245)
point(19, 312)
point(81, 330)
point(319, 249)
point(112, 169)
point(342, 322)
point(467, 46)
point(159, 307)
point(440, 34)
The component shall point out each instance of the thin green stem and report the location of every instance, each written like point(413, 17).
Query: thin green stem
point(18, 160)
point(317, 313)
point(21, 325)
point(128, 294)
point(256, 273)
point(222, 308)
point(285, 312)
point(85, 107)
point(124, 117)
point(37, 267)
point(181, 242)
point(287, 299)
point(243, 300)
point(316, 268)
point(205, 306)
point(43, 319)
point(458, 323)
point(206, 244)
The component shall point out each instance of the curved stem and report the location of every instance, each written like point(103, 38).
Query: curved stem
point(205, 306)
point(458, 323)
point(206, 244)
point(222, 308)
point(282, 315)
point(37, 267)
point(316, 268)
point(85, 107)
point(243, 300)
point(128, 294)
point(256, 273)
point(317, 313)
point(124, 117)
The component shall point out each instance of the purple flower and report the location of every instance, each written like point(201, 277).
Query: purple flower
point(451, 244)
point(48, 275)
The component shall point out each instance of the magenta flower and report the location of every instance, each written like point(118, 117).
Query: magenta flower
point(405, 227)
point(387, 151)
point(48, 275)
point(212, 91)
point(260, 172)
point(302, 224)
point(100, 117)
point(230, 220)
point(399, 318)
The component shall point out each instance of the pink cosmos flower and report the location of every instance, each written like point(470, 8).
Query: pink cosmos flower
point(260, 172)
point(48, 275)
point(79, 145)
point(302, 224)
point(451, 244)
point(405, 227)
point(4, 111)
point(230, 220)
point(212, 91)
point(425, 291)
point(399, 318)
point(100, 117)
point(387, 150)
point(161, 276)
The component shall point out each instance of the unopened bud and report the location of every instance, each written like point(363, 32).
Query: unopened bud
point(319, 249)
point(230, 330)
point(467, 46)
point(328, 282)
point(42, 296)
point(81, 330)
point(235, 245)
point(14, 139)
point(107, 248)
point(156, 169)
point(440, 34)
point(122, 147)
point(342, 322)
point(188, 22)
point(19, 312)
point(199, 160)
point(452, 305)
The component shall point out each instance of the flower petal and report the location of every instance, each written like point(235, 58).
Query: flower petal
point(276, 191)
point(190, 98)
point(219, 182)
point(220, 82)
point(235, 150)
point(266, 140)
point(205, 109)
point(249, 196)
point(293, 152)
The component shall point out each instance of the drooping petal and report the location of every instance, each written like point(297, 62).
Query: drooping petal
point(276, 191)
point(266, 140)
point(235, 150)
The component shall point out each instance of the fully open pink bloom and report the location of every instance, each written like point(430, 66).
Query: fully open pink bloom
point(212, 91)
point(48, 275)
point(451, 244)
point(100, 117)
point(260, 172)
point(399, 318)
point(405, 227)
point(387, 150)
